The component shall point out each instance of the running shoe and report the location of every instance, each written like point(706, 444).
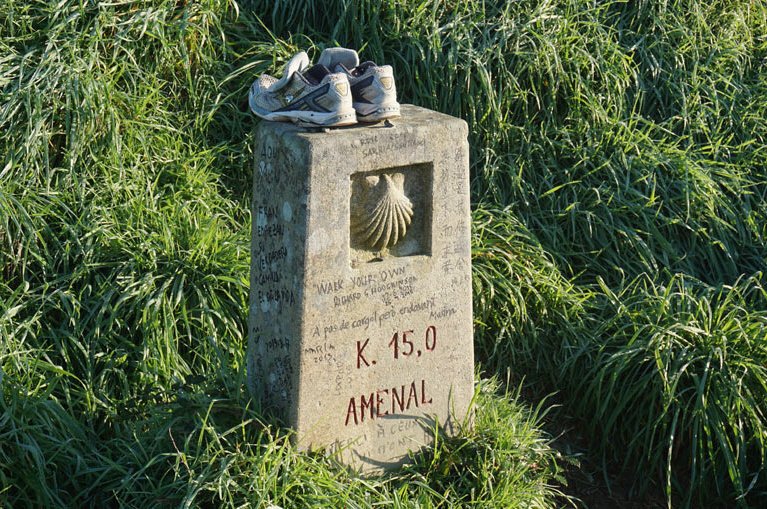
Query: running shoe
point(374, 94)
point(304, 95)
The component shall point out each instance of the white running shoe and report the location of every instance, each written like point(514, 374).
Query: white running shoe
point(374, 94)
point(304, 95)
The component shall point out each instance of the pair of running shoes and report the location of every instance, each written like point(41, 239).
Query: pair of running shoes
point(336, 91)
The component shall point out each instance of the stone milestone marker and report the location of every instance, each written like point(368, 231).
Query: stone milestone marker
point(360, 308)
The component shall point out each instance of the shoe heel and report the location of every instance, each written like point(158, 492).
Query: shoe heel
point(379, 114)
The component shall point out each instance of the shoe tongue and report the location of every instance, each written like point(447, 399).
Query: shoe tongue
point(332, 57)
point(362, 68)
point(315, 73)
point(340, 68)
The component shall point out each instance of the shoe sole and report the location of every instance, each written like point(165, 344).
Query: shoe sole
point(335, 120)
point(330, 119)
point(376, 113)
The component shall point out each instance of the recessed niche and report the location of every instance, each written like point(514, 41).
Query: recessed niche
point(390, 213)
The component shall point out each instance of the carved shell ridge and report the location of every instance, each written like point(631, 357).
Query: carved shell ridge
point(383, 217)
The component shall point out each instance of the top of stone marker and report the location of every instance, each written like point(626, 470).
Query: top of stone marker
point(411, 117)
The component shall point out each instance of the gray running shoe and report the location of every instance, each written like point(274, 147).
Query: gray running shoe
point(304, 95)
point(373, 91)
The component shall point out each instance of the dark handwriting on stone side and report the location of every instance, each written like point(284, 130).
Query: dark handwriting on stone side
point(273, 299)
point(371, 283)
point(370, 146)
point(326, 287)
point(266, 259)
point(270, 230)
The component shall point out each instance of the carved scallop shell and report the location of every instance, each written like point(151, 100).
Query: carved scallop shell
point(382, 214)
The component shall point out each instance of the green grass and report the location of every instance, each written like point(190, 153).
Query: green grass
point(124, 234)
point(619, 182)
point(681, 377)
point(203, 447)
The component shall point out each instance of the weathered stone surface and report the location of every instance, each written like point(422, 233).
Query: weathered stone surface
point(360, 310)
